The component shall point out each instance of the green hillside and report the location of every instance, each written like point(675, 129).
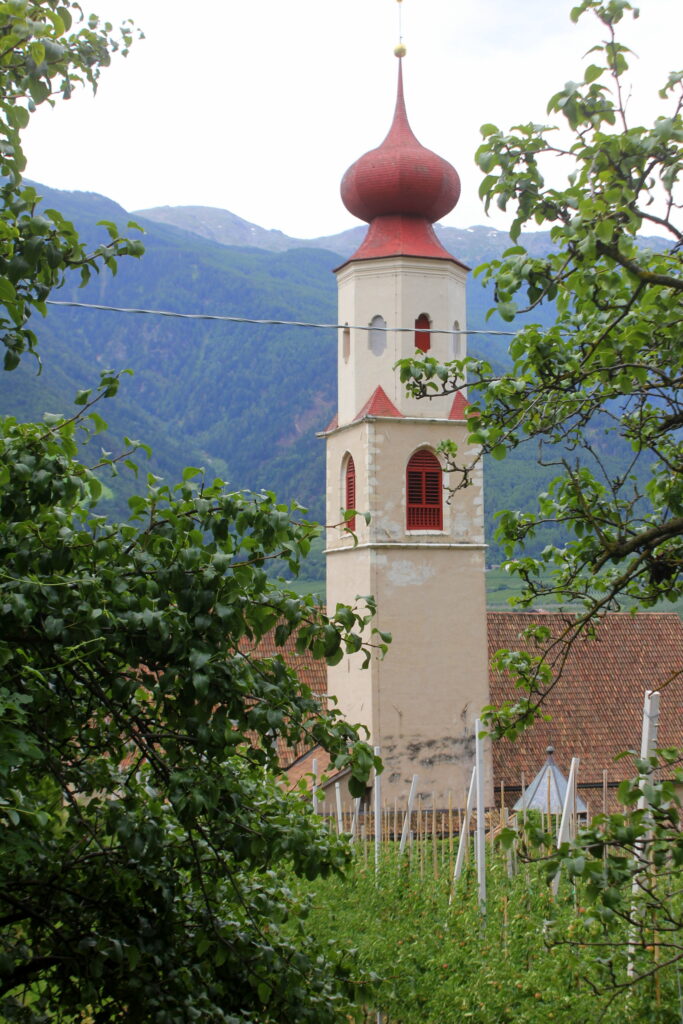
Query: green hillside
point(243, 401)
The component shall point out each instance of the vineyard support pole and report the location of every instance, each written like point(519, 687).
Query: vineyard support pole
point(567, 811)
point(409, 813)
point(648, 743)
point(480, 846)
point(378, 812)
point(465, 829)
point(314, 788)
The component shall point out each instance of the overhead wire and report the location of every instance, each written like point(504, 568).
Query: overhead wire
point(266, 323)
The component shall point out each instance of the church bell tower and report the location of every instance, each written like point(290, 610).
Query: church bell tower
point(422, 553)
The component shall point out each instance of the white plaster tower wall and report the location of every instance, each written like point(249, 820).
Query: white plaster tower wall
point(399, 290)
point(420, 702)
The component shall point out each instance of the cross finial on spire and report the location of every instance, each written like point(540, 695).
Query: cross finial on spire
point(400, 50)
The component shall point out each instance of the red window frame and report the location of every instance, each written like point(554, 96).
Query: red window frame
point(423, 339)
point(424, 492)
point(350, 491)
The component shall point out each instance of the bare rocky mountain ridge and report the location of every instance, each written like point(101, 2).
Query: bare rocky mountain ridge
point(474, 243)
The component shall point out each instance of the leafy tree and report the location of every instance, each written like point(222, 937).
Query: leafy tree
point(46, 50)
point(146, 834)
point(607, 374)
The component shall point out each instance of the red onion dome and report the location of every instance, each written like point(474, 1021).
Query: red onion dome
point(400, 177)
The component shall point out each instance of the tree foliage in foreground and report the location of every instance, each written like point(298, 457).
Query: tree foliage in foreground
point(608, 372)
point(144, 833)
point(47, 50)
point(147, 842)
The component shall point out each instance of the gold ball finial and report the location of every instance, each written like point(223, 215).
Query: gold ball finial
point(400, 50)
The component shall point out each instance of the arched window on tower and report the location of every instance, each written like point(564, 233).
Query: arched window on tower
point(378, 335)
point(424, 492)
point(423, 326)
point(350, 491)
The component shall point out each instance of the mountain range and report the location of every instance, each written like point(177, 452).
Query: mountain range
point(243, 401)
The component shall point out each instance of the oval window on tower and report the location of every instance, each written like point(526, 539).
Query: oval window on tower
point(424, 492)
point(457, 342)
point(378, 335)
point(423, 326)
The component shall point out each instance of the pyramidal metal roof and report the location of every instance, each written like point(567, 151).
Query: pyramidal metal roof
point(548, 790)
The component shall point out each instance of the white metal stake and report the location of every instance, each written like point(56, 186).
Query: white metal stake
point(409, 813)
point(648, 743)
point(465, 830)
point(378, 813)
point(480, 845)
point(340, 820)
point(314, 789)
point(354, 820)
point(567, 812)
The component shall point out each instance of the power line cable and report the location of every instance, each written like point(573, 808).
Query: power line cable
point(266, 323)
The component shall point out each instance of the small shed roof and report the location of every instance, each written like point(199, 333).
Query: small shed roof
point(548, 791)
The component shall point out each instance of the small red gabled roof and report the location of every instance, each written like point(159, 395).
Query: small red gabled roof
point(333, 424)
point(459, 407)
point(378, 404)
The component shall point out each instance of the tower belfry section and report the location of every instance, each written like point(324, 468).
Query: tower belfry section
point(422, 553)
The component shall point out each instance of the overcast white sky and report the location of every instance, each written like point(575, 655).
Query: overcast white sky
point(259, 106)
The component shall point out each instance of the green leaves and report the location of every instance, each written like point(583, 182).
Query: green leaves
point(41, 56)
point(132, 682)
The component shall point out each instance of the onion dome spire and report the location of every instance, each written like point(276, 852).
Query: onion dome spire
point(401, 188)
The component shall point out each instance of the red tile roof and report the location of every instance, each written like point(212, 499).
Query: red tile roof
point(459, 406)
point(378, 404)
point(596, 709)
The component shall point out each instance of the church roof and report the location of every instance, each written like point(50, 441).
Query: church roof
point(400, 188)
point(596, 710)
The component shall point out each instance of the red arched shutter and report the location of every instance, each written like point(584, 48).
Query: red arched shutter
point(424, 492)
point(423, 339)
point(350, 491)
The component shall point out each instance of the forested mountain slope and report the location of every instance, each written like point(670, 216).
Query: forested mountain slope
point(244, 401)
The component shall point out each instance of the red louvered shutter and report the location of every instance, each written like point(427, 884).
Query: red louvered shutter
point(350, 489)
point(424, 492)
point(423, 339)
